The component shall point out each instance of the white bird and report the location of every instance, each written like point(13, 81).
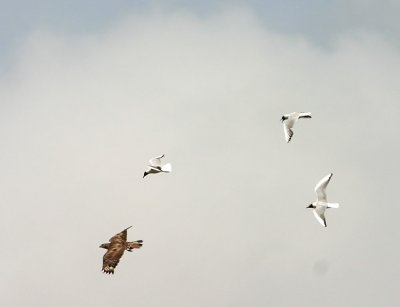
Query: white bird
point(289, 120)
point(156, 167)
point(322, 204)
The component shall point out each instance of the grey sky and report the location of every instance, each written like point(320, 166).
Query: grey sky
point(319, 21)
point(82, 112)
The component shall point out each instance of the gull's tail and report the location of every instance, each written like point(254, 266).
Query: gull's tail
point(333, 205)
point(167, 168)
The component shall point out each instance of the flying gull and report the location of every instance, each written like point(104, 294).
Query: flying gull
point(155, 167)
point(322, 204)
point(289, 120)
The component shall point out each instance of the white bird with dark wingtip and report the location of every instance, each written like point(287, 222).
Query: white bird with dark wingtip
point(155, 167)
point(322, 204)
point(289, 120)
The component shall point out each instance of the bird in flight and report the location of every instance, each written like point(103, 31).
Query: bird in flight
point(155, 167)
point(322, 204)
point(289, 120)
point(115, 250)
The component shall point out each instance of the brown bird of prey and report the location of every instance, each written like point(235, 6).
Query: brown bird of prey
point(115, 250)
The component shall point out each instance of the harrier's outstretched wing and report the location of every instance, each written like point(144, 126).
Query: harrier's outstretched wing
point(112, 256)
point(120, 237)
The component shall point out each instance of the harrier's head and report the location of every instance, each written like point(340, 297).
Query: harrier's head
point(105, 245)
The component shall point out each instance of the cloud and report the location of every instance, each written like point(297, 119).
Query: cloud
point(81, 115)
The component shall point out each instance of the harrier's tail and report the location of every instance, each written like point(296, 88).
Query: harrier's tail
point(134, 244)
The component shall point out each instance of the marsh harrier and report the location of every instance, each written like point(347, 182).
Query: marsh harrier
point(115, 250)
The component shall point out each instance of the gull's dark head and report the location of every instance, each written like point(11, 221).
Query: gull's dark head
point(145, 174)
point(310, 206)
point(283, 118)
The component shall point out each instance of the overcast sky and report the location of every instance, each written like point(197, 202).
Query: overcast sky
point(90, 92)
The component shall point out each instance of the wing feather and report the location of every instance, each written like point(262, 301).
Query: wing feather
point(120, 237)
point(320, 188)
point(319, 214)
point(288, 132)
point(112, 256)
point(305, 115)
point(156, 161)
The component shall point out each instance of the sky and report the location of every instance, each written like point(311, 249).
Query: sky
point(88, 96)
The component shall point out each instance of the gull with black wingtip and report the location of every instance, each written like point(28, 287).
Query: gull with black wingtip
point(155, 166)
point(289, 120)
point(322, 203)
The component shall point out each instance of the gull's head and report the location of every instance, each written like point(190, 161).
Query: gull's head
point(145, 174)
point(310, 206)
point(283, 118)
